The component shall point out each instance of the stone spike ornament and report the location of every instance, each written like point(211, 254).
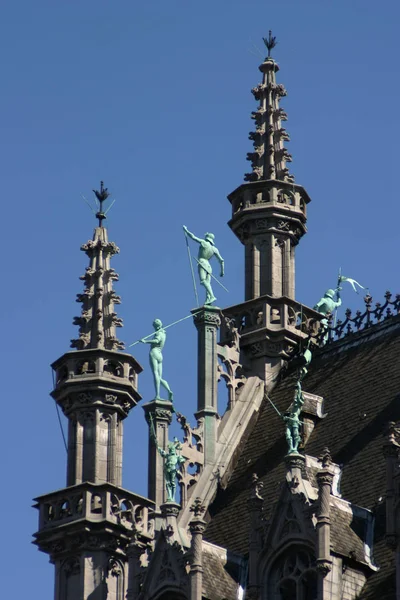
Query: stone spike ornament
point(98, 320)
point(269, 158)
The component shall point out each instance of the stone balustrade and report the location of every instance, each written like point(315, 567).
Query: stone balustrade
point(95, 503)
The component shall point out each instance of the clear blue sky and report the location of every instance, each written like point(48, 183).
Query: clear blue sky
point(154, 98)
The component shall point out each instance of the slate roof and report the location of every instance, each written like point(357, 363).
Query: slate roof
point(222, 573)
point(359, 379)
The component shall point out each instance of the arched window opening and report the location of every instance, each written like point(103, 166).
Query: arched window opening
point(84, 367)
point(114, 368)
point(293, 577)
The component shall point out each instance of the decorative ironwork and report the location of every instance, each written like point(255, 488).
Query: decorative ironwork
point(270, 42)
point(362, 319)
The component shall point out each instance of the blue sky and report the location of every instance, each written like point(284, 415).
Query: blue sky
point(154, 98)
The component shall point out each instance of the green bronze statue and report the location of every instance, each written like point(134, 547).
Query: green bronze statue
point(326, 306)
point(157, 343)
point(172, 464)
point(207, 250)
point(293, 422)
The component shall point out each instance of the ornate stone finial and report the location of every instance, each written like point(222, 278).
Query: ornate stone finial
point(270, 42)
point(325, 458)
point(98, 320)
point(197, 508)
point(101, 196)
point(256, 487)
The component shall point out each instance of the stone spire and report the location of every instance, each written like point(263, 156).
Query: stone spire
point(269, 158)
point(86, 527)
point(269, 211)
point(98, 321)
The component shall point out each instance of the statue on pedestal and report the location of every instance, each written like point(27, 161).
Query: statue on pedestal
point(293, 422)
point(172, 463)
point(207, 250)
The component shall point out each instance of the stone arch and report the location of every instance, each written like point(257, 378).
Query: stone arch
point(114, 368)
point(286, 197)
point(83, 367)
point(62, 374)
point(290, 574)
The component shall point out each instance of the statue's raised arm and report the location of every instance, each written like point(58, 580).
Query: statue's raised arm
point(191, 235)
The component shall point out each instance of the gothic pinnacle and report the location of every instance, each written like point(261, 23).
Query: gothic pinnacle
point(98, 321)
point(269, 158)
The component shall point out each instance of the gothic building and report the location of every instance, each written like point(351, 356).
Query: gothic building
point(253, 520)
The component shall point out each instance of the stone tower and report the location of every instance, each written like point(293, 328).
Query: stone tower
point(269, 218)
point(86, 527)
point(269, 211)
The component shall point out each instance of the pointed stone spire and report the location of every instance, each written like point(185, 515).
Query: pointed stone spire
point(269, 211)
point(270, 157)
point(98, 320)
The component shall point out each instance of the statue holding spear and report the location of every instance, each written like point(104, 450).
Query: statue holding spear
point(207, 250)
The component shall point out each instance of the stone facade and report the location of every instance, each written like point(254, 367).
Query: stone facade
point(252, 522)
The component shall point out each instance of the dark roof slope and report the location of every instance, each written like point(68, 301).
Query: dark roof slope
point(360, 382)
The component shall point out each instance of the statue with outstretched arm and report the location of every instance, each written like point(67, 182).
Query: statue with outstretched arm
point(157, 343)
point(207, 250)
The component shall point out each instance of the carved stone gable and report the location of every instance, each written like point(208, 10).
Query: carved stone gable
point(167, 569)
point(292, 518)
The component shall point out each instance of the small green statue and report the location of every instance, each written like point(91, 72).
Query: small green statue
point(326, 306)
point(157, 343)
point(293, 422)
point(172, 464)
point(207, 250)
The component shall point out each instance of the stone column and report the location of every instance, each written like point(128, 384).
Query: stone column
point(197, 527)
point(134, 552)
point(170, 512)
point(295, 464)
point(254, 504)
point(207, 321)
point(323, 550)
point(158, 416)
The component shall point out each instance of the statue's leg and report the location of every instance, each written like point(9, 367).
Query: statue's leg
point(173, 490)
point(154, 364)
point(288, 436)
point(210, 295)
point(205, 280)
point(168, 486)
point(165, 383)
point(296, 439)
